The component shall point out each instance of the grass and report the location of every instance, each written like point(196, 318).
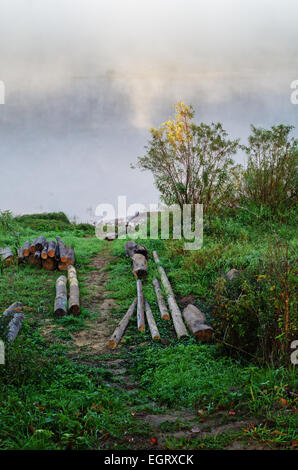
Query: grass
point(51, 400)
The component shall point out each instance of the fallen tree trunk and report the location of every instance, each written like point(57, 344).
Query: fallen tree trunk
point(139, 266)
point(160, 300)
point(7, 256)
point(74, 293)
point(44, 252)
point(195, 320)
point(151, 322)
point(39, 243)
point(69, 258)
point(26, 248)
point(11, 321)
point(140, 306)
point(179, 326)
point(61, 297)
point(121, 327)
point(49, 264)
point(52, 248)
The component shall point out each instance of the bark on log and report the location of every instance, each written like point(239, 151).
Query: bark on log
point(121, 327)
point(26, 248)
point(74, 293)
point(62, 249)
point(69, 256)
point(139, 266)
point(62, 266)
point(39, 243)
point(20, 255)
point(179, 326)
point(11, 321)
point(195, 320)
point(32, 247)
point(132, 248)
point(61, 297)
point(151, 322)
point(49, 264)
point(164, 313)
point(7, 256)
point(140, 306)
point(44, 253)
point(34, 259)
point(52, 248)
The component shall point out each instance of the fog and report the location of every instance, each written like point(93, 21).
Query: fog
point(85, 80)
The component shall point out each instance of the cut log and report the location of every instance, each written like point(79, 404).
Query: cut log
point(61, 297)
point(11, 322)
point(49, 264)
point(39, 243)
point(62, 250)
point(110, 236)
point(195, 320)
point(139, 266)
point(121, 327)
point(62, 266)
point(179, 326)
point(7, 256)
point(140, 306)
point(132, 248)
point(69, 256)
point(34, 260)
point(44, 252)
point(52, 248)
point(74, 293)
point(32, 247)
point(160, 300)
point(151, 322)
point(26, 248)
point(20, 255)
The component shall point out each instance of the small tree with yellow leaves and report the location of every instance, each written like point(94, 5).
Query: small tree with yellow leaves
point(191, 164)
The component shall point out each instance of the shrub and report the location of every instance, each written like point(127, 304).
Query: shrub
point(270, 178)
point(256, 312)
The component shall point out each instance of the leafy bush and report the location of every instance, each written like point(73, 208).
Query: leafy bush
point(256, 312)
point(27, 219)
point(270, 178)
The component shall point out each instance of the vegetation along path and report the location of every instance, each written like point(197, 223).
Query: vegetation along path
point(62, 388)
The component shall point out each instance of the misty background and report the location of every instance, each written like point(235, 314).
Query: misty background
point(86, 79)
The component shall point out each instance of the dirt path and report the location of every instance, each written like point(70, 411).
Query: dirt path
point(95, 337)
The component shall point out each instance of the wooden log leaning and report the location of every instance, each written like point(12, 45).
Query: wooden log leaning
point(179, 326)
point(11, 321)
point(196, 322)
point(74, 292)
point(61, 297)
point(139, 266)
point(140, 306)
point(121, 327)
point(164, 313)
point(51, 249)
point(151, 322)
point(7, 256)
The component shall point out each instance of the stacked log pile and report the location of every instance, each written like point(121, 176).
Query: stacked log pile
point(45, 254)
